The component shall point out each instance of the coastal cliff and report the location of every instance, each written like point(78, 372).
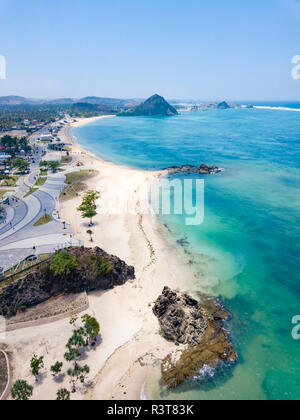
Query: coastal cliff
point(198, 326)
point(93, 269)
point(154, 106)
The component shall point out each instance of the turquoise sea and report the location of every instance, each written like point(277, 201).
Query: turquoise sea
point(247, 250)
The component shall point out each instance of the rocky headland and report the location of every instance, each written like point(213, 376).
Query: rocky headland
point(154, 106)
point(92, 269)
point(197, 327)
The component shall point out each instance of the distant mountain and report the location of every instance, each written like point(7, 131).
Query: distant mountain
point(126, 103)
point(81, 107)
point(94, 100)
point(15, 100)
point(154, 106)
point(60, 101)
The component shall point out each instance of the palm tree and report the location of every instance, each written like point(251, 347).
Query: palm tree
point(90, 232)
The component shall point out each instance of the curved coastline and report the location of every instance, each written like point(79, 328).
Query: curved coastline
point(141, 240)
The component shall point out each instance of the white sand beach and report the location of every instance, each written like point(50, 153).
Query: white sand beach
point(131, 345)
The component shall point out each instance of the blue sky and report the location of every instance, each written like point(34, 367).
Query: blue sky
point(202, 49)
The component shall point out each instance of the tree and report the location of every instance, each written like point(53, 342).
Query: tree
point(72, 354)
point(53, 165)
point(73, 319)
point(84, 371)
point(21, 391)
point(90, 232)
point(36, 364)
point(63, 395)
point(78, 373)
point(56, 369)
point(88, 206)
point(62, 264)
point(91, 326)
point(20, 164)
point(77, 339)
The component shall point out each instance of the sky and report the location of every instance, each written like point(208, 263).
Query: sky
point(196, 49)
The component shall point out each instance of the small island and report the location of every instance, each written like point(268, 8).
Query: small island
point(154, 106)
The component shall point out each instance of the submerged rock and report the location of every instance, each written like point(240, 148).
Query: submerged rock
point(41, 284)
point(199, 325)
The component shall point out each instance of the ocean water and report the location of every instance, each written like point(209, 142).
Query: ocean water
point(247, 250)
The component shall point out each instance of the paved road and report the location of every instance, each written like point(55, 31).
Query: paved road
point(19, 236)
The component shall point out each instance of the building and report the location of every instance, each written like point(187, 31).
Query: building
point(46, 137)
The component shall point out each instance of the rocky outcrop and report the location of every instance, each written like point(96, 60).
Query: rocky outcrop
point(215, 105)
point(199, 327)
point(189, 169)
point(41, 284)
point(154, 106)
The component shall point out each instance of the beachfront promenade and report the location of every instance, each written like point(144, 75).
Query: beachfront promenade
point(19, 238)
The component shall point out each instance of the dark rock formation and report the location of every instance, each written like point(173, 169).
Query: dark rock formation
point(188, 169)
point(200, 326)
point(154, 106)
point(224, 105)
point(180, 317)
point(41, 284)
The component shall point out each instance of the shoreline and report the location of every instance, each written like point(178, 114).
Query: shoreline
point(139, 240)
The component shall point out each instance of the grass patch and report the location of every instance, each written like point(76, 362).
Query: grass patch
point(75, 184)
point(3, 192)
point(43, 220)
point(66, 159)
point(10, 182)
point(41, 181)
point(43, 172)
point(31, 191)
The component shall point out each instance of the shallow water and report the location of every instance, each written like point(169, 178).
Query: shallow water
point(247, 250)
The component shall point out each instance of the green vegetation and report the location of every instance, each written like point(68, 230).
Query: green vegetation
point(75, 183)
point(8, 181)
point(31, 191)
point(80, 176)
point(13, 145)
point(80, 340)
point(20, 164)
point(90, 232)
point(103, 267)
point(63, 395)
point(3, 192)
point(21, 391)
point(43, 172)
point(62, 264)
point(91, 326)
point(43, 220)
point(56, 369)
point(66, 159)
point(51, 164)
point(41, 181)
point(36, 364)
point(88, 206)
point(14, 115)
